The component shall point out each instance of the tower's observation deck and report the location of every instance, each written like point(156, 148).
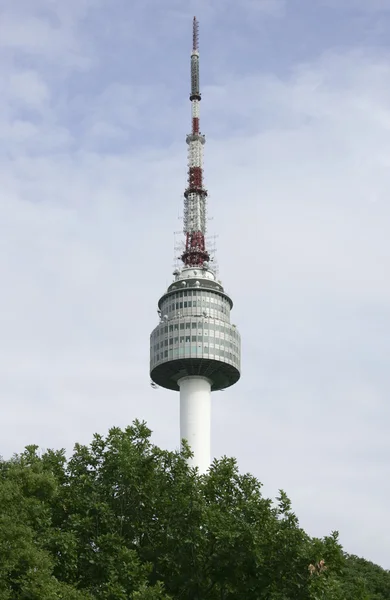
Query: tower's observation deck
point(195, 348)
point(195, 336)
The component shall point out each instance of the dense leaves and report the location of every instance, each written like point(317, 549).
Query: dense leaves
point(124, 519)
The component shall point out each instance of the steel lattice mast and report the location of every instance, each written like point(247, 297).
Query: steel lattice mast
point(195, 349)
point(195, 195)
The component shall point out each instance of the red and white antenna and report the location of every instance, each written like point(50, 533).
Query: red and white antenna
point(195, 253)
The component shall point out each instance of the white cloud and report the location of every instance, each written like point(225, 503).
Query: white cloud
point(274, 8)
point(217, 9)
point(48, 30)
point(27, 89)
point(360, 5)
point(297, 168)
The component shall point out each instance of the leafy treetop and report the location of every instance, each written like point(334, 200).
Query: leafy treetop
point(124, 519)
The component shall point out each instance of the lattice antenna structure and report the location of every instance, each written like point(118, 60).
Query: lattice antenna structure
point(195, 195)
point(195, 34)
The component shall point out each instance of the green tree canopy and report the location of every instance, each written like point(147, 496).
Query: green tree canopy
point(124, 519)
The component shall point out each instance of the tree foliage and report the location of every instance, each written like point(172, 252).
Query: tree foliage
point(124, 519)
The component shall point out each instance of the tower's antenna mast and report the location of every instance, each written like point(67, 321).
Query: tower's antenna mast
point(195, 253)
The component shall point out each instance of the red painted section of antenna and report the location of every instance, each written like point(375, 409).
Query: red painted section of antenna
point(195, 253)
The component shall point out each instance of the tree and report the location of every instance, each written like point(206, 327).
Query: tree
point(124, 519)
point(365, 578)
point(26, 567)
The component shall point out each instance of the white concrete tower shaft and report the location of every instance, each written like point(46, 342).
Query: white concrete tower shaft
point(195, 419)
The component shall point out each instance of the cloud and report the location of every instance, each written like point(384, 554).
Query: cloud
point(47, 30)
point(28, 90)
point(359, 5)
point(92, 171)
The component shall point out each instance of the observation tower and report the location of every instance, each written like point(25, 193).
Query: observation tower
point(194, 349)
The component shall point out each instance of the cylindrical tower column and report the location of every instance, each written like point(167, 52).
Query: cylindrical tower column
point(195, 418)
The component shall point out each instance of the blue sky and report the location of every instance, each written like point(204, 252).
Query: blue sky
point(93, 116)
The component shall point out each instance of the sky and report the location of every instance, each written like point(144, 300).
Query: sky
point(296, 110)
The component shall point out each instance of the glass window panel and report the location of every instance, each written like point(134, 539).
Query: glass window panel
point(188, 325)
point(181, 325)
point(193, 339)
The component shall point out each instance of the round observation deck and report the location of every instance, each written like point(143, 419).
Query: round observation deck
point(195, 336)
point(221, 374)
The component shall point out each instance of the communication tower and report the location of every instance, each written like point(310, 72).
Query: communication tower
point(195, 349)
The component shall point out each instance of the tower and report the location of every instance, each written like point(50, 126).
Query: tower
point(195, 349)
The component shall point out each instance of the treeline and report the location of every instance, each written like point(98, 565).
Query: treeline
point(123, 519)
